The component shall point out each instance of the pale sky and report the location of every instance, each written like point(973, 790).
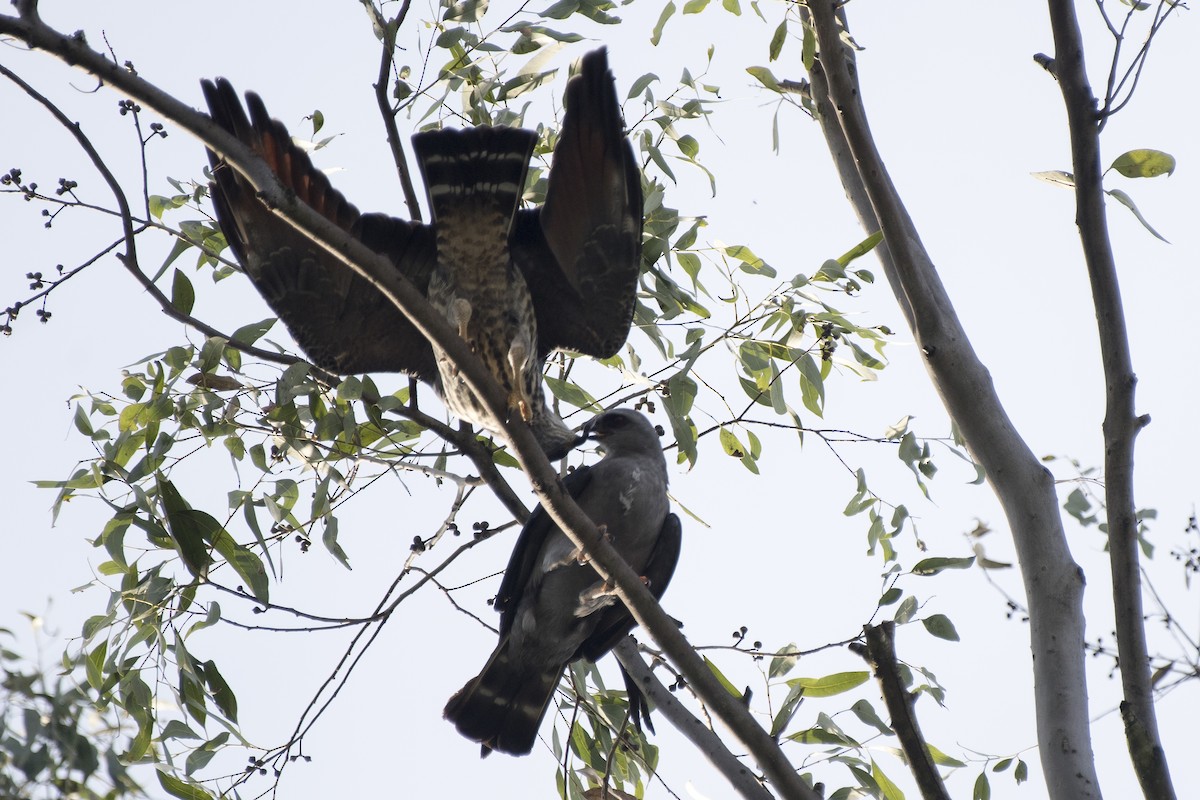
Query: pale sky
point(962, 115)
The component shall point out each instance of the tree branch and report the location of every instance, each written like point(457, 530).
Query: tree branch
point(705, 740)
point(1053, 581)
point(1121, 423)
point(881, 655)
point(479, 454)
point(388, 114)
point(377, 270)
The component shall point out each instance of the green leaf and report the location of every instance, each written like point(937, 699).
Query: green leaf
point(160, 204)
point(765, 77)
point(573, 393)
point(787, 710)
point(812, 386)
point(890, 596)
point(941, 759)
point(785, 658)
point(82, 423)
point(932, 566)
point(1144, 164)
point(560, 10)
point(861, 249)
point(177, 788)
point(751, 263)
point(890, 790)
point(211, 618)
point(249, 334)
point(808, 50)
point(258, 457)
point(906, 610)
point(247, 565)
point(183, 296)
point(1056, 177)
point(329, 538)
point(983, 789)
point(688, 146)
point(641, 83)
point(222, 695)
point(667, 12)
point(830, 684)
point(732, 6)
point(867, 715)
point(211, 352)
point(1021, 773)
point(236, 447)
point(729, 687)
point(199, 758)
point(940, 626)
point(177, 729)
point(694, 6)
point(777, 40)
point(681, 393)
point(188, 529)
point(95, 665)
point(1127, 201)
point(730, 444)
point(820, 736)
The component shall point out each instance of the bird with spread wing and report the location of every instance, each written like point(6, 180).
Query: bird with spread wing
point(554, 608)
point(517, 284)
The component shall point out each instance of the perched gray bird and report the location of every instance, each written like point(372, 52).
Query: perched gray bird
point(554, 609)
point(516, 284)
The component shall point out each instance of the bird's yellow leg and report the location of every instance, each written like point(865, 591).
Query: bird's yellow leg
point(577, 556)
point(601, 595)
point(459, 315)
point(518, 358)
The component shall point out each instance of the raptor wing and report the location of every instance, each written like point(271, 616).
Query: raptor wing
point(342, 323)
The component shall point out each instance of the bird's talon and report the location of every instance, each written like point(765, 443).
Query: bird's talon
point(459, 315)
point(591, 600)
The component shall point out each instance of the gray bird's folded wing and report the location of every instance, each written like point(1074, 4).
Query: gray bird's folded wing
point(616, 621)
point(527, 551)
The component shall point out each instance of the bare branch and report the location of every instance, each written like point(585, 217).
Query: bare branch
point(376, 269)
point(388, 114)
point(881, 655)
point(704, 738)
point(1053, 581)
point(1121, 422)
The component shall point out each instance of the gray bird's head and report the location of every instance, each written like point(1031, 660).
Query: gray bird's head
point(622, 431)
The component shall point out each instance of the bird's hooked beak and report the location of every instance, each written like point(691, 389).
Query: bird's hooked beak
point(590, 430)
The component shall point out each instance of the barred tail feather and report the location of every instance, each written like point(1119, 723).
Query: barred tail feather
point(464, 166)
point(502, 707)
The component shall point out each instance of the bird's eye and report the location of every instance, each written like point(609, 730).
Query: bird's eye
point(617, 422)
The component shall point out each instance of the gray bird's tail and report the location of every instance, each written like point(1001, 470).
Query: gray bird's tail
point(474, 167)
point(502, 707)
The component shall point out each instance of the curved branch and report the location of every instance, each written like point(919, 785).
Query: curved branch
point(465, 441)
point(1121, 422)
point(377, 270)
point(1053, 581)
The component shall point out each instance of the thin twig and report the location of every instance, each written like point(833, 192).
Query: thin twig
point(388, 114)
